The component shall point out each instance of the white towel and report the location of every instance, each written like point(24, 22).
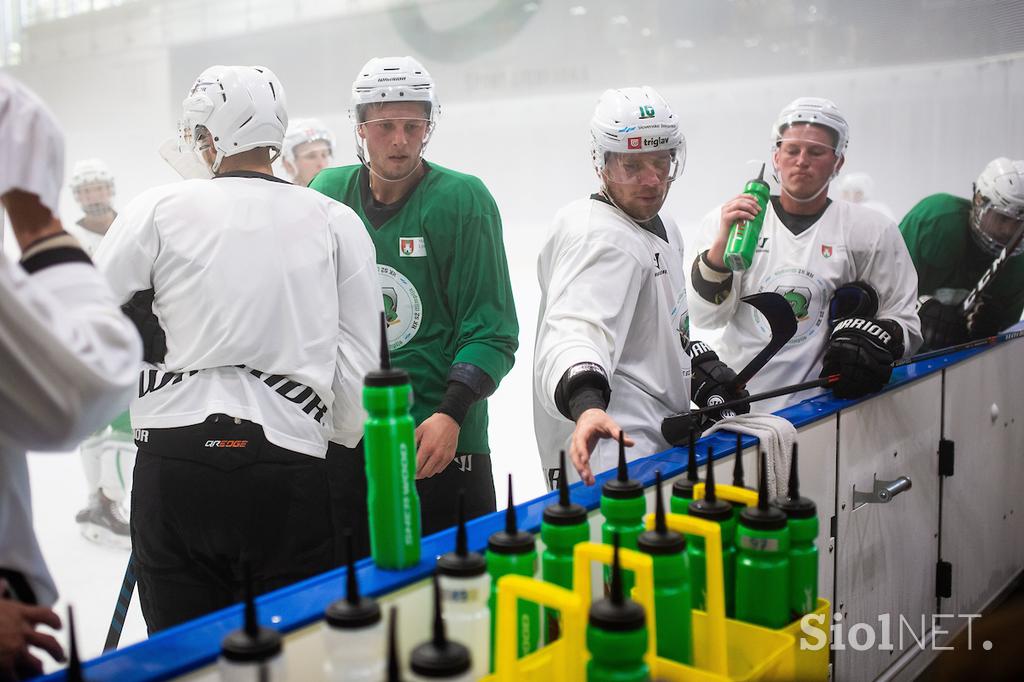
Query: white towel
point(777, 436)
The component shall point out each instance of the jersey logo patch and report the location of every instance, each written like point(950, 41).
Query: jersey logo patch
point(633, 143)
point(403, 310)
point(826, 251)
point(412, 247)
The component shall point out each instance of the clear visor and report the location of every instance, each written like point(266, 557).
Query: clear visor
point(641, 168)
point(802, 140)
point(411, 127)
point(995, 229)
point(314, 150)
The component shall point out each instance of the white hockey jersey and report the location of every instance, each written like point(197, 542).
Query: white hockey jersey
point(89, 240)
point(614, 294)
point(269, 297)
point(847, 243)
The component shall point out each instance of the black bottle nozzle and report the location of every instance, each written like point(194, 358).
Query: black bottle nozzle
point(385, 354)
point(439, 657)
point(623, 472)
point(251, 644)
point(510, 511)
point(760, 176)
point(354, 611)
point(74, 670)
point(394, 669)
point(440, 636)
point(762, 483)
point(709, 478)
point(252, 626)
point(795, 506)
point(622, 487)
point(691, 459)
point(737, 467)
point(793, 493)
point(564, 512)
point(763, 516)
point(351, 581)
point(660, 540)
point(563, 485)
point(616, 590)
point(461, 540)
point(710, 507)
point(461, 563)
point(660, 526)
point(511, 540)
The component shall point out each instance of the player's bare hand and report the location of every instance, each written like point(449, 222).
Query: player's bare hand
point(436, 439)
point(592, 426)
point(740, 208)
point(18, 623)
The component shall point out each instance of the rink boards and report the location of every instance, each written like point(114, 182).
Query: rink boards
point(878, 563)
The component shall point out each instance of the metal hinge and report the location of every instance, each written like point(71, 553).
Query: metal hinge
point(943, 579)
point(946, 450)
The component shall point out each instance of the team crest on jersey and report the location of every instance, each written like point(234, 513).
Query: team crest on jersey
point(806, 293)
point(412, 247)
point(826, 251)
point(403, 310)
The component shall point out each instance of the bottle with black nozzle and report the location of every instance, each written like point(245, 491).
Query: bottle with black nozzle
point(743, 235)
point(682, 489)
point(513, 552)
point(353, 632)
point(737, 476)
point(802, 520)
point(465, 588)
point(563, 527)
point(762, 564)
point(623, 506)
point(617, 633)
point(74, 669)
point(394, 664)
point(440, 658)
point(711, 508)
point(253, 653)
point(672, 601)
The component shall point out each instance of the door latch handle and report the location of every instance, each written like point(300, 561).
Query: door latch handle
point(882, 493)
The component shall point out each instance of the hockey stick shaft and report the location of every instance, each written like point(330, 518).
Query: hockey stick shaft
point(124, 600)
point(977, 343)
point(972, 298)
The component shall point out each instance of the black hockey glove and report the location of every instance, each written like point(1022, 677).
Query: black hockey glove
point(861, 351)
point(140, 311)
point(713, 382)
point(983, 321)
point(942, 325)
point(856, 299)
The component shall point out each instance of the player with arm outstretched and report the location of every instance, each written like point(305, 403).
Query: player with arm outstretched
point(612, 350)
point(810, 248)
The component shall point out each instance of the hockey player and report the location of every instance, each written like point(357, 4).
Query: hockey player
point(308, 149)
point(859, 188)
point(612, 350)
point(268, 297)
point(953, 241)
point(68, 361)
point(446, 290)
point(108, 456)
point(810, 248)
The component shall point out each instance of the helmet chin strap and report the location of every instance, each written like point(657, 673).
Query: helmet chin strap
point(361, 153)
point(782, 187)
point(608, 196)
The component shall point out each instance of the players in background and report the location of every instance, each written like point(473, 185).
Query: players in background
point(266, 348)
point(843, 268)
point(108, 456)
point(953, 241)
point(450, 314)
point(68, 361)
point(859, 188)
point(308, 149)
point(612, 350)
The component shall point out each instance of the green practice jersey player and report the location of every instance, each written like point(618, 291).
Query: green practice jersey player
point(953, 241)
point(447, 296)
point(108, 456)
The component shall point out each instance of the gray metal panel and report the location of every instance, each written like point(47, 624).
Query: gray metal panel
point(886, 552)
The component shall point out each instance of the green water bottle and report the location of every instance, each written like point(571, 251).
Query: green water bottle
point(672, 602)
point(682, 489)
point(802, 519)
point(743, 236)
point(762, 564)
point(390, 446)
point(737, 476)
point(513, 552)
point(563, 527)
point(720, 511)
point(623, 506)
point(617, 633)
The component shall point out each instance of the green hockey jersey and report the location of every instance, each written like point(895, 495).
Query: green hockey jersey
point(949, 263)
point(445, 282)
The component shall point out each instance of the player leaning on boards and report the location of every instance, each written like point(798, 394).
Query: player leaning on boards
point(267, 293)
point(612, 347)
point(447, 296)
point(843, 268)
point(953, 242)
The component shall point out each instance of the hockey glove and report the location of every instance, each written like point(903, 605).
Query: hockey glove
point(983, 320)
point(942, 325)
point(856, 299)
point(861, 351)
point(139, 309)
point(713, 383)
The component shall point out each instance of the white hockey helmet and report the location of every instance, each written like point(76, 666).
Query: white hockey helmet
point(999, 189)
point(243, 107)
point(635, 120)
point(816, 110)
point(90, 172)
point(392, 79)
point(857, 187)
point(303, 130)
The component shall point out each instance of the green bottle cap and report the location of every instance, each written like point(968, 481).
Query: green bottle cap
point(763, 516)
point(354, 611)
point(683, 487)
point(439, 657)
point(386, 375)
point(661, 540)
point(511, 540)
point(622, 487)
point(564, 512)
point(616, 613)
point(251, 644)
point(394, 669)
point(794, 506)
point(462, 563)
point(711, 508)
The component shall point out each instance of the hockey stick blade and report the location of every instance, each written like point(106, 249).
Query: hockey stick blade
point(972, 298)
point(782, 323)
